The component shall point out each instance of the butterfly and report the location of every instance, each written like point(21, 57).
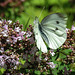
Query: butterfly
point(51, 31)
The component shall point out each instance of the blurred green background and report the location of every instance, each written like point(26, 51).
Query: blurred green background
point(26, 10)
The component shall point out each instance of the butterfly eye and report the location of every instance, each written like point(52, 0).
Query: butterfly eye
point(57, 22)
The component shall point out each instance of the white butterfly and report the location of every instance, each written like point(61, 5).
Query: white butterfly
point(51, 30)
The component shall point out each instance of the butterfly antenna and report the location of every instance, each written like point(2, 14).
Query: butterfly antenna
point(30, 15)
point(41, 11)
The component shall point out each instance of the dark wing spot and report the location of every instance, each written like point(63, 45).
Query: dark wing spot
point(56, 28)
point(57, 22)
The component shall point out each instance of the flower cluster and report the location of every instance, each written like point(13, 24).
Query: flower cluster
point(17, 45)
point(14, 44)
point(70, 44)
point(10, 34)
point(9, 62)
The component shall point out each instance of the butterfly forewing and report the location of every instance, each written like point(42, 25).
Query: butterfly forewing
point(54, 28)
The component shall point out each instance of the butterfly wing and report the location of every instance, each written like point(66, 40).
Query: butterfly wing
point(53, 30)
point(39, 41)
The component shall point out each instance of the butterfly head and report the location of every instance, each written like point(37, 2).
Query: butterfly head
point(36, 21)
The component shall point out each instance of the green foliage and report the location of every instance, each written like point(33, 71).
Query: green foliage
point(22, 61)
point(72, 66)
point(62, 56)
point(26, 15)
point(64, 53)
point(67, 51)
point(37, 72)
point(2, 71)
point(32, 8)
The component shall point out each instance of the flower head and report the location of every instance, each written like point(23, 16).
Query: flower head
point(72, 28)
point(52, 65)
point(52, 53)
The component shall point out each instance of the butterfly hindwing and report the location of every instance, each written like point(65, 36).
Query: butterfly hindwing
point(39, 41)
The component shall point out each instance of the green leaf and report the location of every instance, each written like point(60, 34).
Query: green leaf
point(37, 72)
point(61, 67)
point(2, 71)
point(55, 71)
point(67, 51)
point(62, 55)
point(54, 58)
point(44, 73)
point(22, 61)
point(72, 66)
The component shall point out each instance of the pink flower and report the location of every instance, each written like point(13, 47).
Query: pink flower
point(22, 37)
point(31, 40)
point(67, 29)
point(22, 33)
point(2, 49)
point(9, 40)
point(73, 28)
point(52, 53)
point(9, 21)
point(46, 58)
point(0, 22)
point(17, 29)
point(28, 34)
point(19, 38)
point(5, 33)
point(52, 65)
point(17, 62)
point(5, 27)
point(14, 39)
